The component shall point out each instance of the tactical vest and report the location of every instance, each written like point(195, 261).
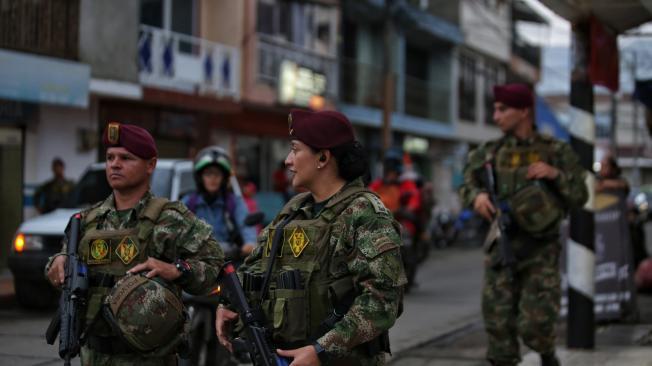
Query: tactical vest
point(533, 206)
point(295, 314)
point(109, 254)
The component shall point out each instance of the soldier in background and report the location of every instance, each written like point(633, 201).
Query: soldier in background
point(337, 280)
point(161, 246)
point(539, 179)
point(51, 194)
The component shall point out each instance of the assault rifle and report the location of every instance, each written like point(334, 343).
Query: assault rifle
point(507, 258)
point(67, 321)
point(256, 342)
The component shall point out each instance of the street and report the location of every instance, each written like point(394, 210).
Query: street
point(440, 324)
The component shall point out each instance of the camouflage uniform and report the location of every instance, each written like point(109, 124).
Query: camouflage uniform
point(51, 194)
point(167, 232)
point(528, 306)
point(351, 247)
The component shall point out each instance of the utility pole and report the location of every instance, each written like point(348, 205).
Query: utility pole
point(388, 76)
point(581, 252)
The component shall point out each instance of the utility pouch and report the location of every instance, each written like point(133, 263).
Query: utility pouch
point(534, 209)
point(289, 315)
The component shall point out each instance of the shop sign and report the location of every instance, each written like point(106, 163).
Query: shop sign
point(300, 85)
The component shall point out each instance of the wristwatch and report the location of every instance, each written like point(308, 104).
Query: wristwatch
point(183, 267)
point(321, 353)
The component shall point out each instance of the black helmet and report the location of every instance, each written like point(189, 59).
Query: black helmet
point(393, 161)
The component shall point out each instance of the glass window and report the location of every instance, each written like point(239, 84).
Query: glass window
point(91, 188)
point(466, 89)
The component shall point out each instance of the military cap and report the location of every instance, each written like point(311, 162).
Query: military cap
point(320, 130)
point(133, 138)
point(514, 95)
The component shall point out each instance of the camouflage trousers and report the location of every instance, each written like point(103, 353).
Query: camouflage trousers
point(525, 307)
point(93, 358)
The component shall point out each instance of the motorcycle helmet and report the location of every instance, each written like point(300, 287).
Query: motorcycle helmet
point(212, 155)
point(145, 313)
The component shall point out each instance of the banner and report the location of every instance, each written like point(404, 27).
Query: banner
point(615, 292)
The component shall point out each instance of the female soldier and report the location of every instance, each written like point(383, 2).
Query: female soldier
point(327, 271)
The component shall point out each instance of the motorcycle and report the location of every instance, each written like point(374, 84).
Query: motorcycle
point(203, 347)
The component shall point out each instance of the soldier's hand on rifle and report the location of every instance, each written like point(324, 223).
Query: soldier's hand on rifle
point(483, 206)
point(223, 320)
point(155, 267)
point(304, 356)
point(541, 170)
point(57, 272)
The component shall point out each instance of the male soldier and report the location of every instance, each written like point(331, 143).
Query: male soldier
point(537, 180)
point(51, 194)
point(132, 232)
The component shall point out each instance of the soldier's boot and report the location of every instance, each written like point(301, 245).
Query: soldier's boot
point(549, 360)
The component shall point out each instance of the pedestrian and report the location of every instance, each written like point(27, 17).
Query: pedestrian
point(142, 251)
point(336, 279)
point(51, 194)
point(280, 181)
point(215, 202)
point(610, 178)
point(539, 179)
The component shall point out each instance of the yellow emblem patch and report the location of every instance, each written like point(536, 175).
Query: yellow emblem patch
point(298, 241)
point(99, 252)
point(268, 247)
point(113, 133)
point(126, 250)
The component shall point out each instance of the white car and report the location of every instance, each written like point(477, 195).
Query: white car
point(40, 237)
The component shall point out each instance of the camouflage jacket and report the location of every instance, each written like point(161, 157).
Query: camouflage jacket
point(176, 234)
point(366, 235)
point(569, 185)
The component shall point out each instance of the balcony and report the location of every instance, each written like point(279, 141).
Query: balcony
point(531, 54)
point(272, 52)
point(176, 61)
point(426, 100)
point(361, 84)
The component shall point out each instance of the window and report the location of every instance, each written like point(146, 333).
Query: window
point(490, 80)
point(466, 89)
point(307, 25)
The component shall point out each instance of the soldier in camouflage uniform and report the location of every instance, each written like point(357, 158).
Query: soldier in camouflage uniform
point(538, 179)
point(340, 254)
point(134, 232)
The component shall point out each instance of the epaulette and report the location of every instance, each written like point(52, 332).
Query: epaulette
point(376, 203)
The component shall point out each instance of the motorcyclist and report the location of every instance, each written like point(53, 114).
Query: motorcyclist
point(220, 203)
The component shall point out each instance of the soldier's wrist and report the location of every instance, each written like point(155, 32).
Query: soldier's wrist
point(322, 354)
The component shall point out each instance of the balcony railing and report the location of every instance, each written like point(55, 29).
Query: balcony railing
point(177, 61)
point(272, 52)
point(361, 84)
point(426, 100)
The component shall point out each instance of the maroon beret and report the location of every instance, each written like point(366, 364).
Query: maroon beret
point(320, 130)
point(514, 95)
point(133, 138)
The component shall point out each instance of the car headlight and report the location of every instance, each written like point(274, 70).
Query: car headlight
point(24, 242)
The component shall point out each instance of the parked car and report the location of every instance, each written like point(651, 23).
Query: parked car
point(40, 237)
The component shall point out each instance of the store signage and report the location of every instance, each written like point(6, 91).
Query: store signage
point(39, 79)
point(300, 85)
